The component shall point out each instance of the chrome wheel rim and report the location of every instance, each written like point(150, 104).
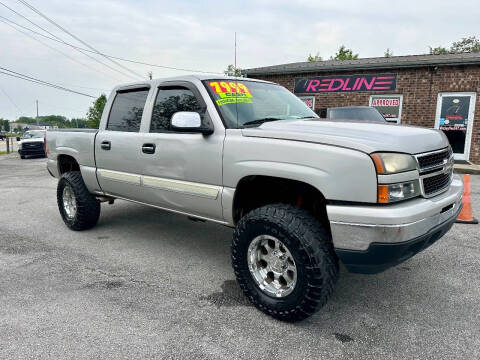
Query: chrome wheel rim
point(272, 266)
point(69, 202)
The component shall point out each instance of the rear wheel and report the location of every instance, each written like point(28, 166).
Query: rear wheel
point(79, 209)
point(22, 157)
point(284, 261)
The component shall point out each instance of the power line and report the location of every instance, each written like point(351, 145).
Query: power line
point(10, 99)
point(40, 82)
point(2, 19)
point(77, 38)
point(58, 39)
point(111, 56)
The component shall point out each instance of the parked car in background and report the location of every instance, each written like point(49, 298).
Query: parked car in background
point(355, 113)
point(32, 144)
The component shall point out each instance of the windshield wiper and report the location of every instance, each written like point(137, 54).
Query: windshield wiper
point(309, 117)
point(261, 121)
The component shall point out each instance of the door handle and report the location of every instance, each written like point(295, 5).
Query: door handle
point(148, 148)
point(106, 145)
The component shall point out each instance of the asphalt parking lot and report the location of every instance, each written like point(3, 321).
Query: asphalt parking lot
point(149, 284)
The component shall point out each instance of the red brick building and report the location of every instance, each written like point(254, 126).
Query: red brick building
point(436, 91)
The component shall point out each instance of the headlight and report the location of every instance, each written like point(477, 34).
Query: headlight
point(397, 192)
point(391, 163)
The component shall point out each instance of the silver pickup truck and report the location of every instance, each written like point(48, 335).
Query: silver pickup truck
point(302, 193)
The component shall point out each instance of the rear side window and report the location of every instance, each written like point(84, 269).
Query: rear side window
point(169, 101)
point(127, 109)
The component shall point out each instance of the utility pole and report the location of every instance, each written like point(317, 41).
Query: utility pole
point(37, 112)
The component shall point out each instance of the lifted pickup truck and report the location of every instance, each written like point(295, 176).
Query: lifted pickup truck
point(301, 193)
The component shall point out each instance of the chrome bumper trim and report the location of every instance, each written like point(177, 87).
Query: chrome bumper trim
point(359, 236)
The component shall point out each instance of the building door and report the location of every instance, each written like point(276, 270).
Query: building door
point(455, 118)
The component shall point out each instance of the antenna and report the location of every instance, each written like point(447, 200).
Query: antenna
point(235, 66)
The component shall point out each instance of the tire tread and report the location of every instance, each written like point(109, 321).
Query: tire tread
point(88, 208)
point(316, 248)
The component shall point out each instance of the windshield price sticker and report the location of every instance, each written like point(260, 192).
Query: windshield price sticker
point(231, 92)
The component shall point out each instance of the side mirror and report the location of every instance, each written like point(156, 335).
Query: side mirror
point(189, 121)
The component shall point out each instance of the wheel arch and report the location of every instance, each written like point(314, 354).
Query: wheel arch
point(67, 163)
point(254, 191)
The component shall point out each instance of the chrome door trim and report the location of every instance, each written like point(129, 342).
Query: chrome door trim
point(179, 186)
point(184, 187)
point(120, 176)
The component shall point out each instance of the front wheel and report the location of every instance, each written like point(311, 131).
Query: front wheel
point(284, 261)
point(79, 209)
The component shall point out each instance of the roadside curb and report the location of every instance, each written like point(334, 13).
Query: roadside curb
point(467, 169)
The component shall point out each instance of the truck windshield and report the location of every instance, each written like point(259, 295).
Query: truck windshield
point(29, 135)
point(244, 103)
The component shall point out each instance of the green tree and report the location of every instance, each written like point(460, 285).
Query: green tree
point(465, 45)
point(78, 123)
point(94, 113)
point(315, 57)
point(4, 125)
point(439, 50)
point(344, 54)
point(388, 53)
point(232, 71)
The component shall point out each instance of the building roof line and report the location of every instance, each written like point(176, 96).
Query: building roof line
point(393, 62)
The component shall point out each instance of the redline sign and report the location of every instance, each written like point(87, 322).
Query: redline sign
point(345, 83)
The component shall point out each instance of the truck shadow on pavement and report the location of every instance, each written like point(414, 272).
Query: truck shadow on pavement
point(408, 294)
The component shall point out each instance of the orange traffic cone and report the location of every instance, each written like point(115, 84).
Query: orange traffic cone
point(466, 216)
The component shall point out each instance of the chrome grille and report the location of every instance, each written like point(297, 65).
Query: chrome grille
point(35, 145)
point(436, 183)
point(436, 171)
point(434, 159)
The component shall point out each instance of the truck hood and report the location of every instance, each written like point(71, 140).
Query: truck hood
point(362, 136)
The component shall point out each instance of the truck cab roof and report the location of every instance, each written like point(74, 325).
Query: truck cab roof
point(188, 77)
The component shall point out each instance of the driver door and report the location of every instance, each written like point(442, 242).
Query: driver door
point(184, 173)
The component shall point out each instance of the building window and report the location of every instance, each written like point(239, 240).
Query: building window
point(390, 106)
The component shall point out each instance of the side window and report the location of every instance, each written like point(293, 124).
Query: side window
point(127, 109)
point(170, 100)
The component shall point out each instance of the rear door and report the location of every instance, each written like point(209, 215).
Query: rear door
point(118, 147)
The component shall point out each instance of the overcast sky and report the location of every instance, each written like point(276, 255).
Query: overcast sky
point(200, 35)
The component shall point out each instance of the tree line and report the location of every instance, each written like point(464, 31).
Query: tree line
point(92, 119)
point(464, 45)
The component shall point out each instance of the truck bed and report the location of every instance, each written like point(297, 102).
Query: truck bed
point(79, 143)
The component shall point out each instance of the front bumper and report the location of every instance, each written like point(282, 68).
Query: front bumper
point(370, 239)
point(31, 152)
point(382, 256)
